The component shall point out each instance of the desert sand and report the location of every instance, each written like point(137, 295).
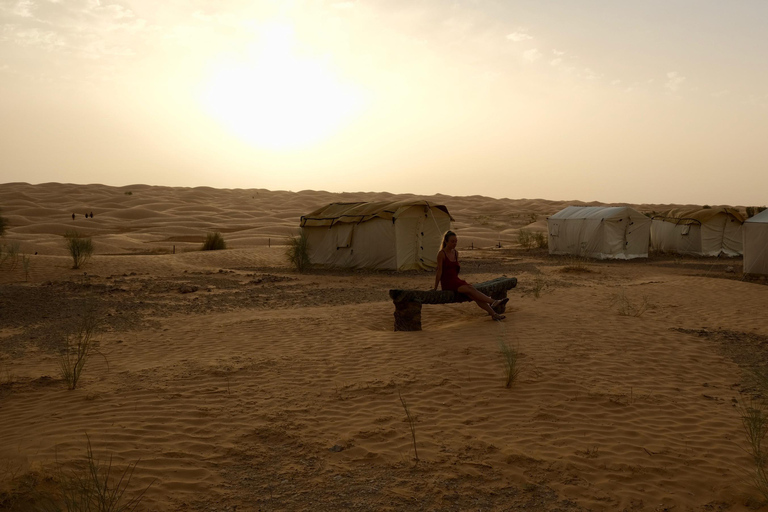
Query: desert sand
point(260, 388)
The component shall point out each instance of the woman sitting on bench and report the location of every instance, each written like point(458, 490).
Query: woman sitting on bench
point(448, 277)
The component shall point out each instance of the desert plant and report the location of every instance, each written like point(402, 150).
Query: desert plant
point(214, 242)
point(79, 247)
point(525, 239)
point(411, 425)
point(539, 284)
point(511, 359)
point(96, 487)
point(3, 224)
point(754, 419)
point(79, 347)
point(11, 255)
point(298, 251)
point(626, 307)
point(541, 240)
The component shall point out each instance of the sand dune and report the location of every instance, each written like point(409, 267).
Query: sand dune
point(263, 389)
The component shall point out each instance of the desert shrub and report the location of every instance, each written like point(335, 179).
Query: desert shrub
point(706, 207)
point(96, 487)
point(129, 193)
point(541, 240)
point(11, 255)
point(525, 239)
point(298, 251)
point(511, 360)
point(627, 307)
point(214, 242)
point(79, 247)
point(79, 347)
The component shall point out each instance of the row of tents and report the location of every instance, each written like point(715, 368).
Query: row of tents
point(405, 235)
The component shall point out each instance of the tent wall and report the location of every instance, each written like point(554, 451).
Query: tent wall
point(408, 239)
point(675, 238)
point(419, 232)
point(755, 232)
point(707, 232)
point(603, 233)
point(371, 245)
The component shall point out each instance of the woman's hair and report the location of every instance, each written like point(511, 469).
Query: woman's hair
point(448, 234)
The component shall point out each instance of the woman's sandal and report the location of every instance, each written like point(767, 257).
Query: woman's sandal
point(498, 318)
point(499, 302)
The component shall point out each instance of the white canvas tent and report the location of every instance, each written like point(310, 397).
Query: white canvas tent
point(603, 232)
point(756, 244)
point(401, 235)
point(702, 232)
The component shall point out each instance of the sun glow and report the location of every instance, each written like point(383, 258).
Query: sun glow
point(277, 98)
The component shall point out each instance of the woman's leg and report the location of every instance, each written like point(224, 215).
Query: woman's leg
point(480, 298)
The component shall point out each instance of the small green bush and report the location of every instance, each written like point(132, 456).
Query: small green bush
point(298, 252)
point(525, 239)
point(541, 240)
point(214, 242)
point(79, 247)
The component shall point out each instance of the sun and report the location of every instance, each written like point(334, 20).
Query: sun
point(276, 98)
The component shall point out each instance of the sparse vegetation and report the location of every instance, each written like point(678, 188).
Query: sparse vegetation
point(214, 242)
point(575, 265)
point(79, 347)
point(96, 487)
point(79, 247)
point(511, 360)
point(11, 255)
point(411, 425)
point(129, 193)
point(626, 307)
point(539, 285)
point(298, 252)
point(754, 420)
point(3, 224)
point(541, 240)
point(525, 239)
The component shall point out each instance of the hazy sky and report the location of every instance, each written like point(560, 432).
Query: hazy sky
point(662, 101)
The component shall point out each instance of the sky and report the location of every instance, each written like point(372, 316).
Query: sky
point(659, 101)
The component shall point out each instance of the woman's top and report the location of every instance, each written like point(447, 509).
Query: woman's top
point(449, 279)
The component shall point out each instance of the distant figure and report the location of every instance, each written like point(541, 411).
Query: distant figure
point(86, 215)
point(73, 216)
point(91, 214)
point(447, 276)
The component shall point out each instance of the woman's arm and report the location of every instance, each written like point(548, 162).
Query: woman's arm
point(439, 271)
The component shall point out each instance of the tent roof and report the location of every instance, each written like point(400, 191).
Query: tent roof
point(761, 217)
point(697, 216)
point(593, 212)
point(356, 213)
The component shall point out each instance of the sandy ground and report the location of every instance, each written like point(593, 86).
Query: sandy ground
point(235, 383)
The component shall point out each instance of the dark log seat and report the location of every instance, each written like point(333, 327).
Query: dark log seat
point(408, 302)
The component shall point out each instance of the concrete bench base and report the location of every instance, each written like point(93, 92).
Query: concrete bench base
point(408, 302)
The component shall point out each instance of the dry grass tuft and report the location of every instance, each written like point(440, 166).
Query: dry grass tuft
point(411, 425)
point(511, 361)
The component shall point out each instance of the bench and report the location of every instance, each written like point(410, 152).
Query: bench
point(408, 302)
